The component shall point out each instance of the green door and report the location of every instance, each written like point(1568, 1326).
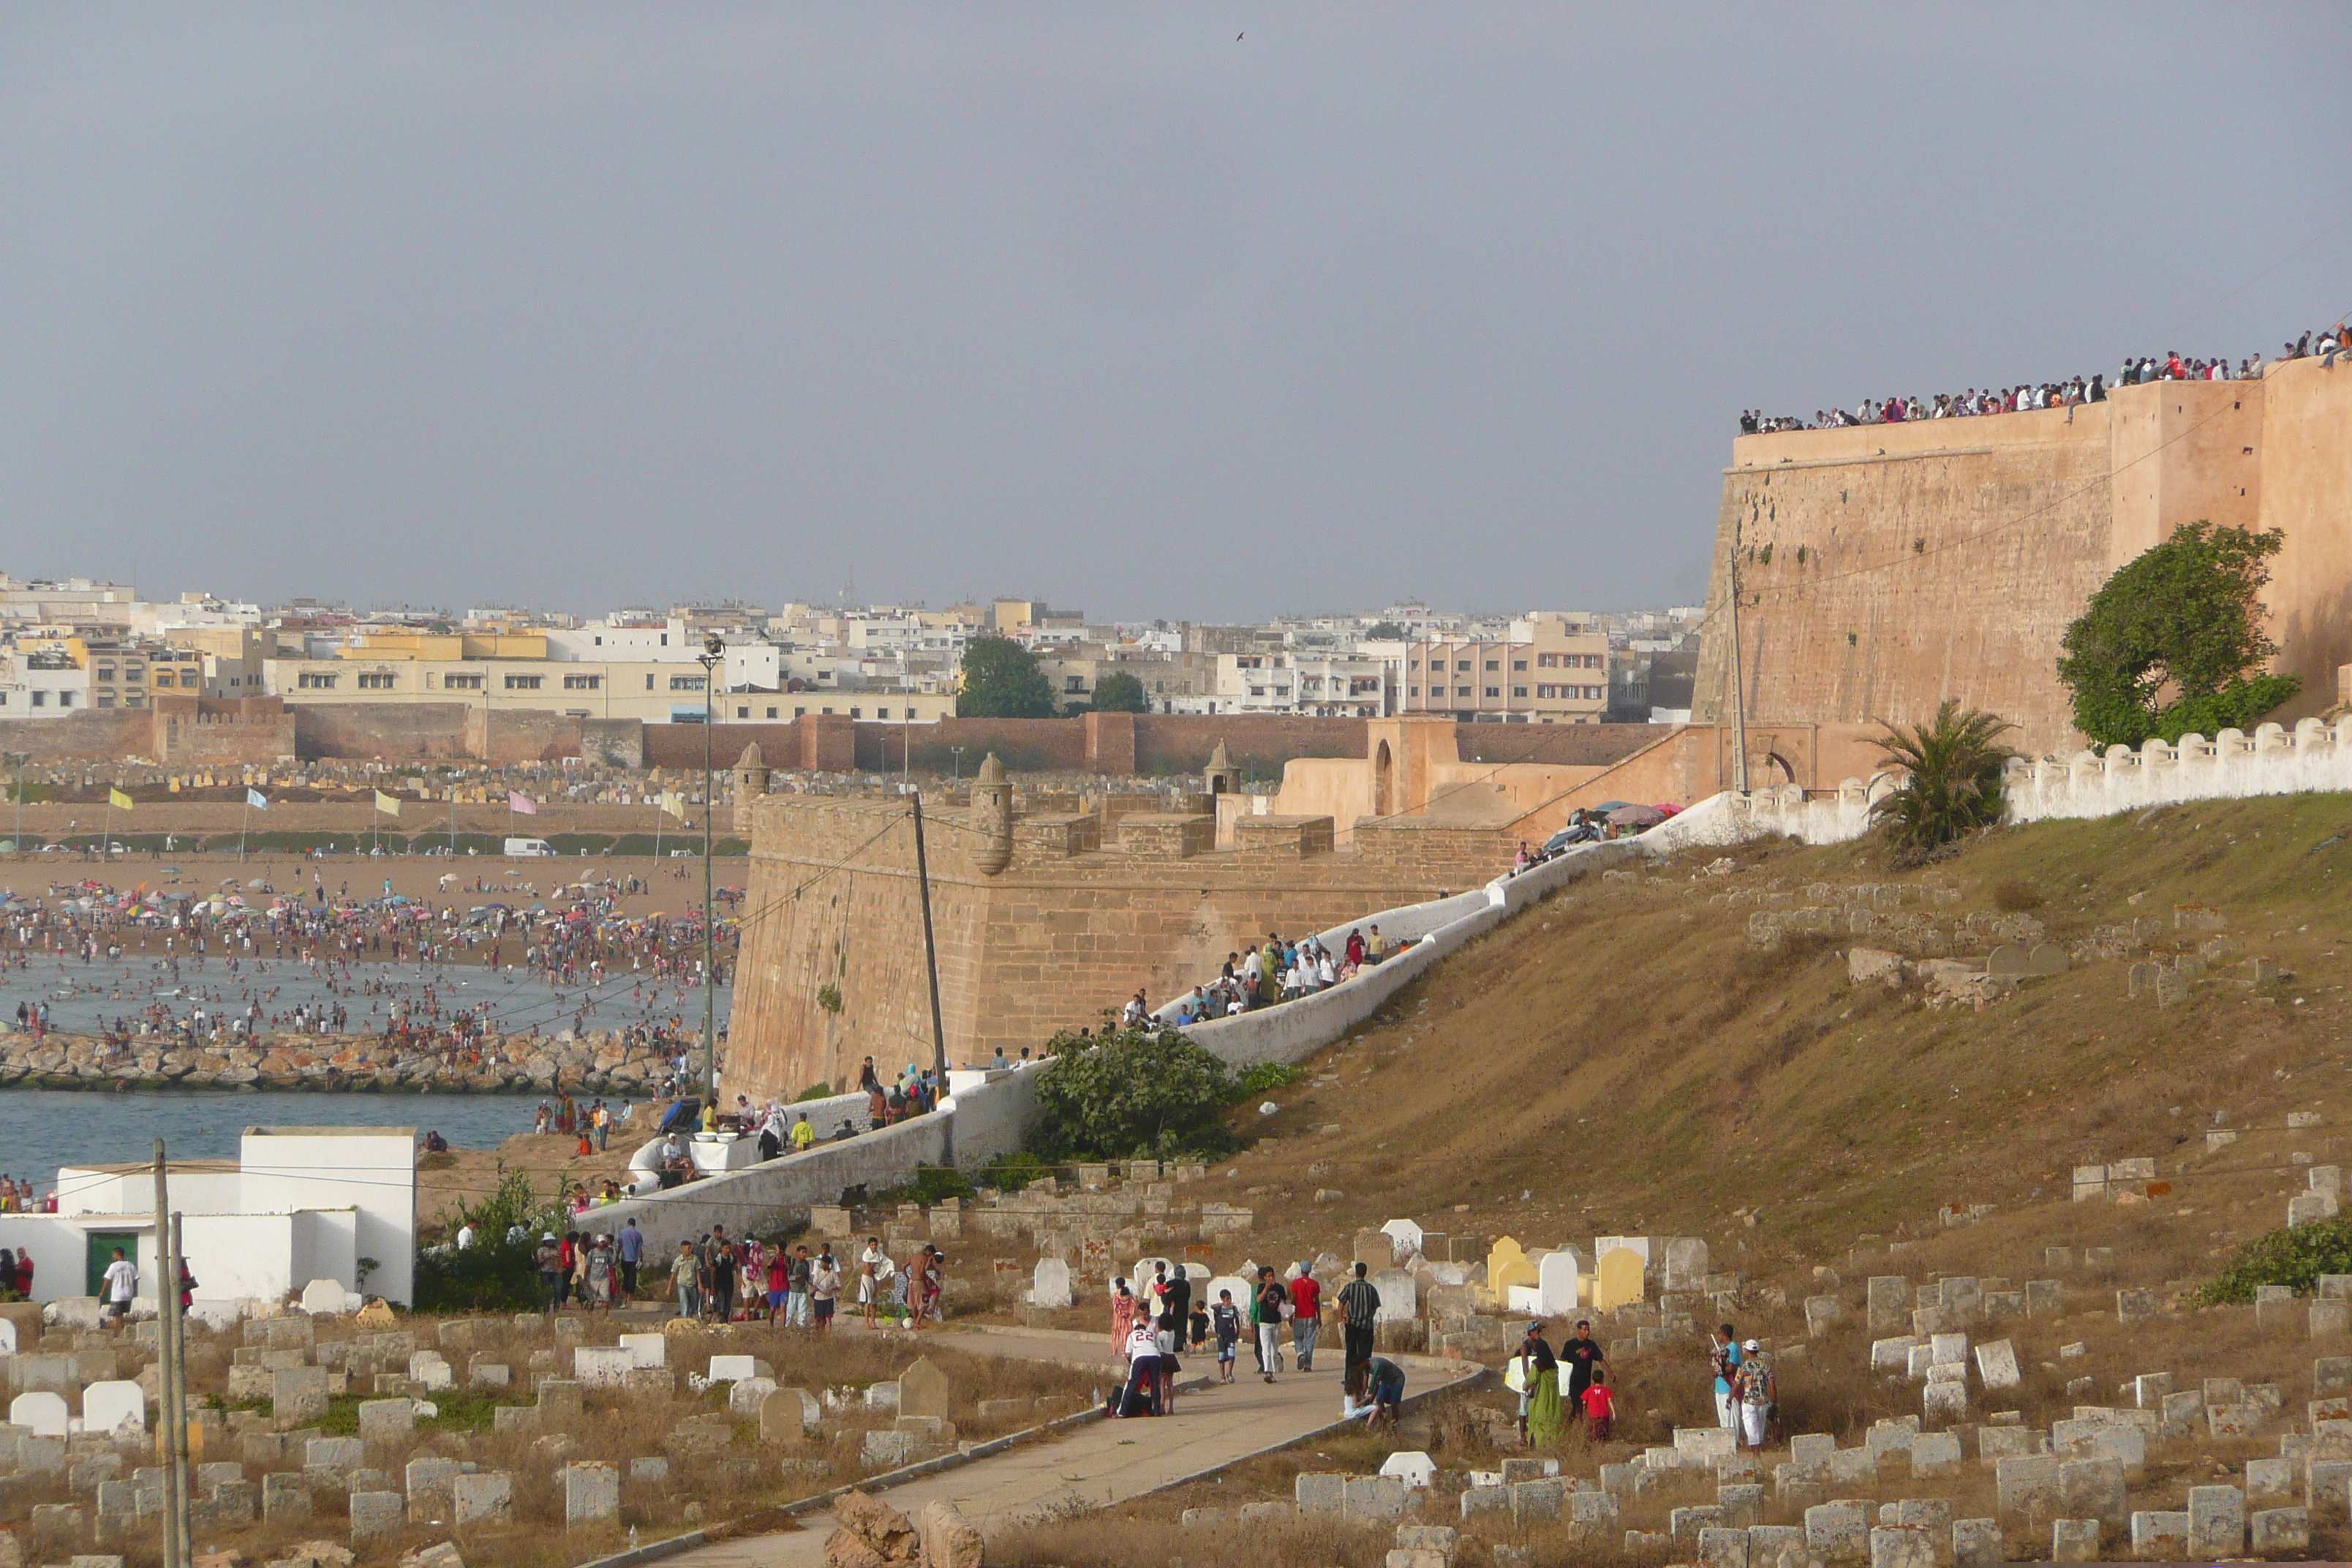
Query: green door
point(102, 1244)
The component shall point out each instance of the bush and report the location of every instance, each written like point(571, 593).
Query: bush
point(933, 1184)
point(2015, 895)
point(496, 1273)
point(1141, 1093)
point(2294, 1257)
point(1256, 1079)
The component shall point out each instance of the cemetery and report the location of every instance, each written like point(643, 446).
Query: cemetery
point(1975, 1222)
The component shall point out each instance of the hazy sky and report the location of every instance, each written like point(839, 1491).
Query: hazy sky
point(583, 306)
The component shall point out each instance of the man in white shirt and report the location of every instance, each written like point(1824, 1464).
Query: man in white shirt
point(122, 1285)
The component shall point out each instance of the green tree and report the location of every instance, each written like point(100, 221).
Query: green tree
point(1139, 1093)
point(1001, 681)
point(1386, 631)
point(1121, 693)
point(2173, 642)
point(1953, 766)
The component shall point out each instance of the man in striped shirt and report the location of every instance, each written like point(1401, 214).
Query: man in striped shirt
point(1359, 1306)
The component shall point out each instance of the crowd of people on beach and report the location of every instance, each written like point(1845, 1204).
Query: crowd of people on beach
point(2327, 344)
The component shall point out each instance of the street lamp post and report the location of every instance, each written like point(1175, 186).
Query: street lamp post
point(714, 654)
point(958, 751)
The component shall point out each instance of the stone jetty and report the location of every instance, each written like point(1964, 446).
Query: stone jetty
point(597, 1061)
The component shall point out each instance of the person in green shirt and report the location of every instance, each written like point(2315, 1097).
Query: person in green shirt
point(1266, 1302)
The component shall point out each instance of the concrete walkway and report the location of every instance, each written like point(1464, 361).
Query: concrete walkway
point(1105, 1462)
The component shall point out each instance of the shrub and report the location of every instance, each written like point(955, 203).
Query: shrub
point(1138, 1093)
point(2015, 895)
point(1953, 764)
point(1256, 1079)
point(500, 1271)
point(2296, 1256)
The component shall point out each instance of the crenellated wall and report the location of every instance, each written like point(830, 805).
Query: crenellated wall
point(1886, 567)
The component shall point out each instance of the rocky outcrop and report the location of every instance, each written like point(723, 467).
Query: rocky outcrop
point(597, 1061)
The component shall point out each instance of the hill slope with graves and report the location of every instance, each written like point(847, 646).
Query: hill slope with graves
point(1962, 1142)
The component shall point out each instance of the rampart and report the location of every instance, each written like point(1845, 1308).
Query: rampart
point(1070, 926)
point(1886, 567)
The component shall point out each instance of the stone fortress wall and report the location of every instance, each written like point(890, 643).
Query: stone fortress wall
point(1886, 567)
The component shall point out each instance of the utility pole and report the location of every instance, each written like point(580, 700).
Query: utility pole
point(175, 1324)
point(931, 964)
point(167, 1302)
point(1738, 683)
point(714, 653)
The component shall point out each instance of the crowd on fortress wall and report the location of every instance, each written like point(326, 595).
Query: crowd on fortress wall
point(2328, 344)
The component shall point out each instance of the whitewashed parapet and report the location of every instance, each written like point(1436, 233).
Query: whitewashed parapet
point(1293, 1030)
point(2233, 766)
point(1724, 819)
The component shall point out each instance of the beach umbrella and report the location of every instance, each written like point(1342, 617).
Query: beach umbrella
point(1637, 816)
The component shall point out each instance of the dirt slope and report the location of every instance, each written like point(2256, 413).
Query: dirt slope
point(1623, 1058)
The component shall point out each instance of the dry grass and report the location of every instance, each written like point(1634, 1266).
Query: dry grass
point(742, 1479)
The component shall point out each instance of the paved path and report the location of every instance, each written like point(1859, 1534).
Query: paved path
point(1102, 1463)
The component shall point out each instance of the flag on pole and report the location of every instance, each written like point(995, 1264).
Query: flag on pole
point(258, 801)
point(386, 804)
point(116, 798)
point(520, 803)
point(673, 805)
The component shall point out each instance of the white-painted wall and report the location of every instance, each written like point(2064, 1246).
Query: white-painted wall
point(369, 1171)
point(2314, 757)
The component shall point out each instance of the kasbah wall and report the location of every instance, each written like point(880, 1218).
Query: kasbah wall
point(1071, 926)
point(1911, 563)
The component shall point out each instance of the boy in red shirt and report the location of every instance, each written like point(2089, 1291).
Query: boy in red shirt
point(1306, 1312)
point(1599, 1405)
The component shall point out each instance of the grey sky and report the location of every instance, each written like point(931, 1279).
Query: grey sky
point(583, 306)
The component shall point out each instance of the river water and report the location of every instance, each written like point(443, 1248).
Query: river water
point(42, 1128)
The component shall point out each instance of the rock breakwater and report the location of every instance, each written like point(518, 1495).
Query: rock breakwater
point(598, 1061)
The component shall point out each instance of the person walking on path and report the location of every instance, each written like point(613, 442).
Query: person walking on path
point(1360, 1308)
point(1266, 1314)
point(1599, 1406)
point(1725, 1360)
point(1306, 1316)
point(685, 1273)
point(1226, 1318)
point(631, 1250)
point(550, 1259)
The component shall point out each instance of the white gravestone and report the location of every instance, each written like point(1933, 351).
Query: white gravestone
point(648, 1349)
point(44, 1413)
point(1557, 1283)
point(111, 1407)
point(1406, 1235)
point(1399, 1298)
point(1052, 1283)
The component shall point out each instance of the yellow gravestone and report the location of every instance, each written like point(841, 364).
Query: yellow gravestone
point(1507, 1265)
point(1617, 1282)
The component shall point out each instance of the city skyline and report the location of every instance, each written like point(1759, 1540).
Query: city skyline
point(584, 307)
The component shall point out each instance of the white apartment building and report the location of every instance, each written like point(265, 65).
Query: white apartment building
point(1323, 685)
point(42, 683)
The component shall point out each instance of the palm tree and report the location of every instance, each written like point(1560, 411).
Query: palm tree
point(1953, 765)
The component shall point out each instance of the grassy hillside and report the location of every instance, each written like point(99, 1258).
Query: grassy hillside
point(1625, 1059)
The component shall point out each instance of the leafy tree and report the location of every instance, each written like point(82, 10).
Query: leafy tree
point(2173, 641)
point(1001, 681)
point(1954, 762)
point(1141, 1093)
point(1121, 693)
point(1385, 631)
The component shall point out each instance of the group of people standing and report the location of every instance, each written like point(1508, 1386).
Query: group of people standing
point(1149, 1330)
point(1558, 1388)
point(589, 1271)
